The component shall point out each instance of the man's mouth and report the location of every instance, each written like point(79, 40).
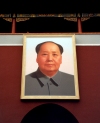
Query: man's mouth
point(49, 64)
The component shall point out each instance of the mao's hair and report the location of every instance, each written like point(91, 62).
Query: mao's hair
point(37, 49)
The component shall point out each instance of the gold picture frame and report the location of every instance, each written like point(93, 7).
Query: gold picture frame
point(69, 65)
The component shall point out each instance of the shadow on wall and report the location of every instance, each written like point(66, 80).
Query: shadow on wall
point(49, 113)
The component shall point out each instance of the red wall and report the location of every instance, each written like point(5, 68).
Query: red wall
point(86, 110)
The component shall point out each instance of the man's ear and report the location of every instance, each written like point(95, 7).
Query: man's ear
point(61, 59)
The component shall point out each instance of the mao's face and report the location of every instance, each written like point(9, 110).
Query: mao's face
point(49, 58)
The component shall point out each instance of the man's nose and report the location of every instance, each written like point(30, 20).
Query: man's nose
point(50, 57)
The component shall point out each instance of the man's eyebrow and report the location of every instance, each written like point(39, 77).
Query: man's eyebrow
point(44, 51)
point(55, 51)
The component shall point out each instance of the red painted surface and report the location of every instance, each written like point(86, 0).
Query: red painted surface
point(79, 25)
point(13, 25)
point(12, 109)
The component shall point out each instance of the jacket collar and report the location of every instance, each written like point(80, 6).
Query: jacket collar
point(56, 79)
